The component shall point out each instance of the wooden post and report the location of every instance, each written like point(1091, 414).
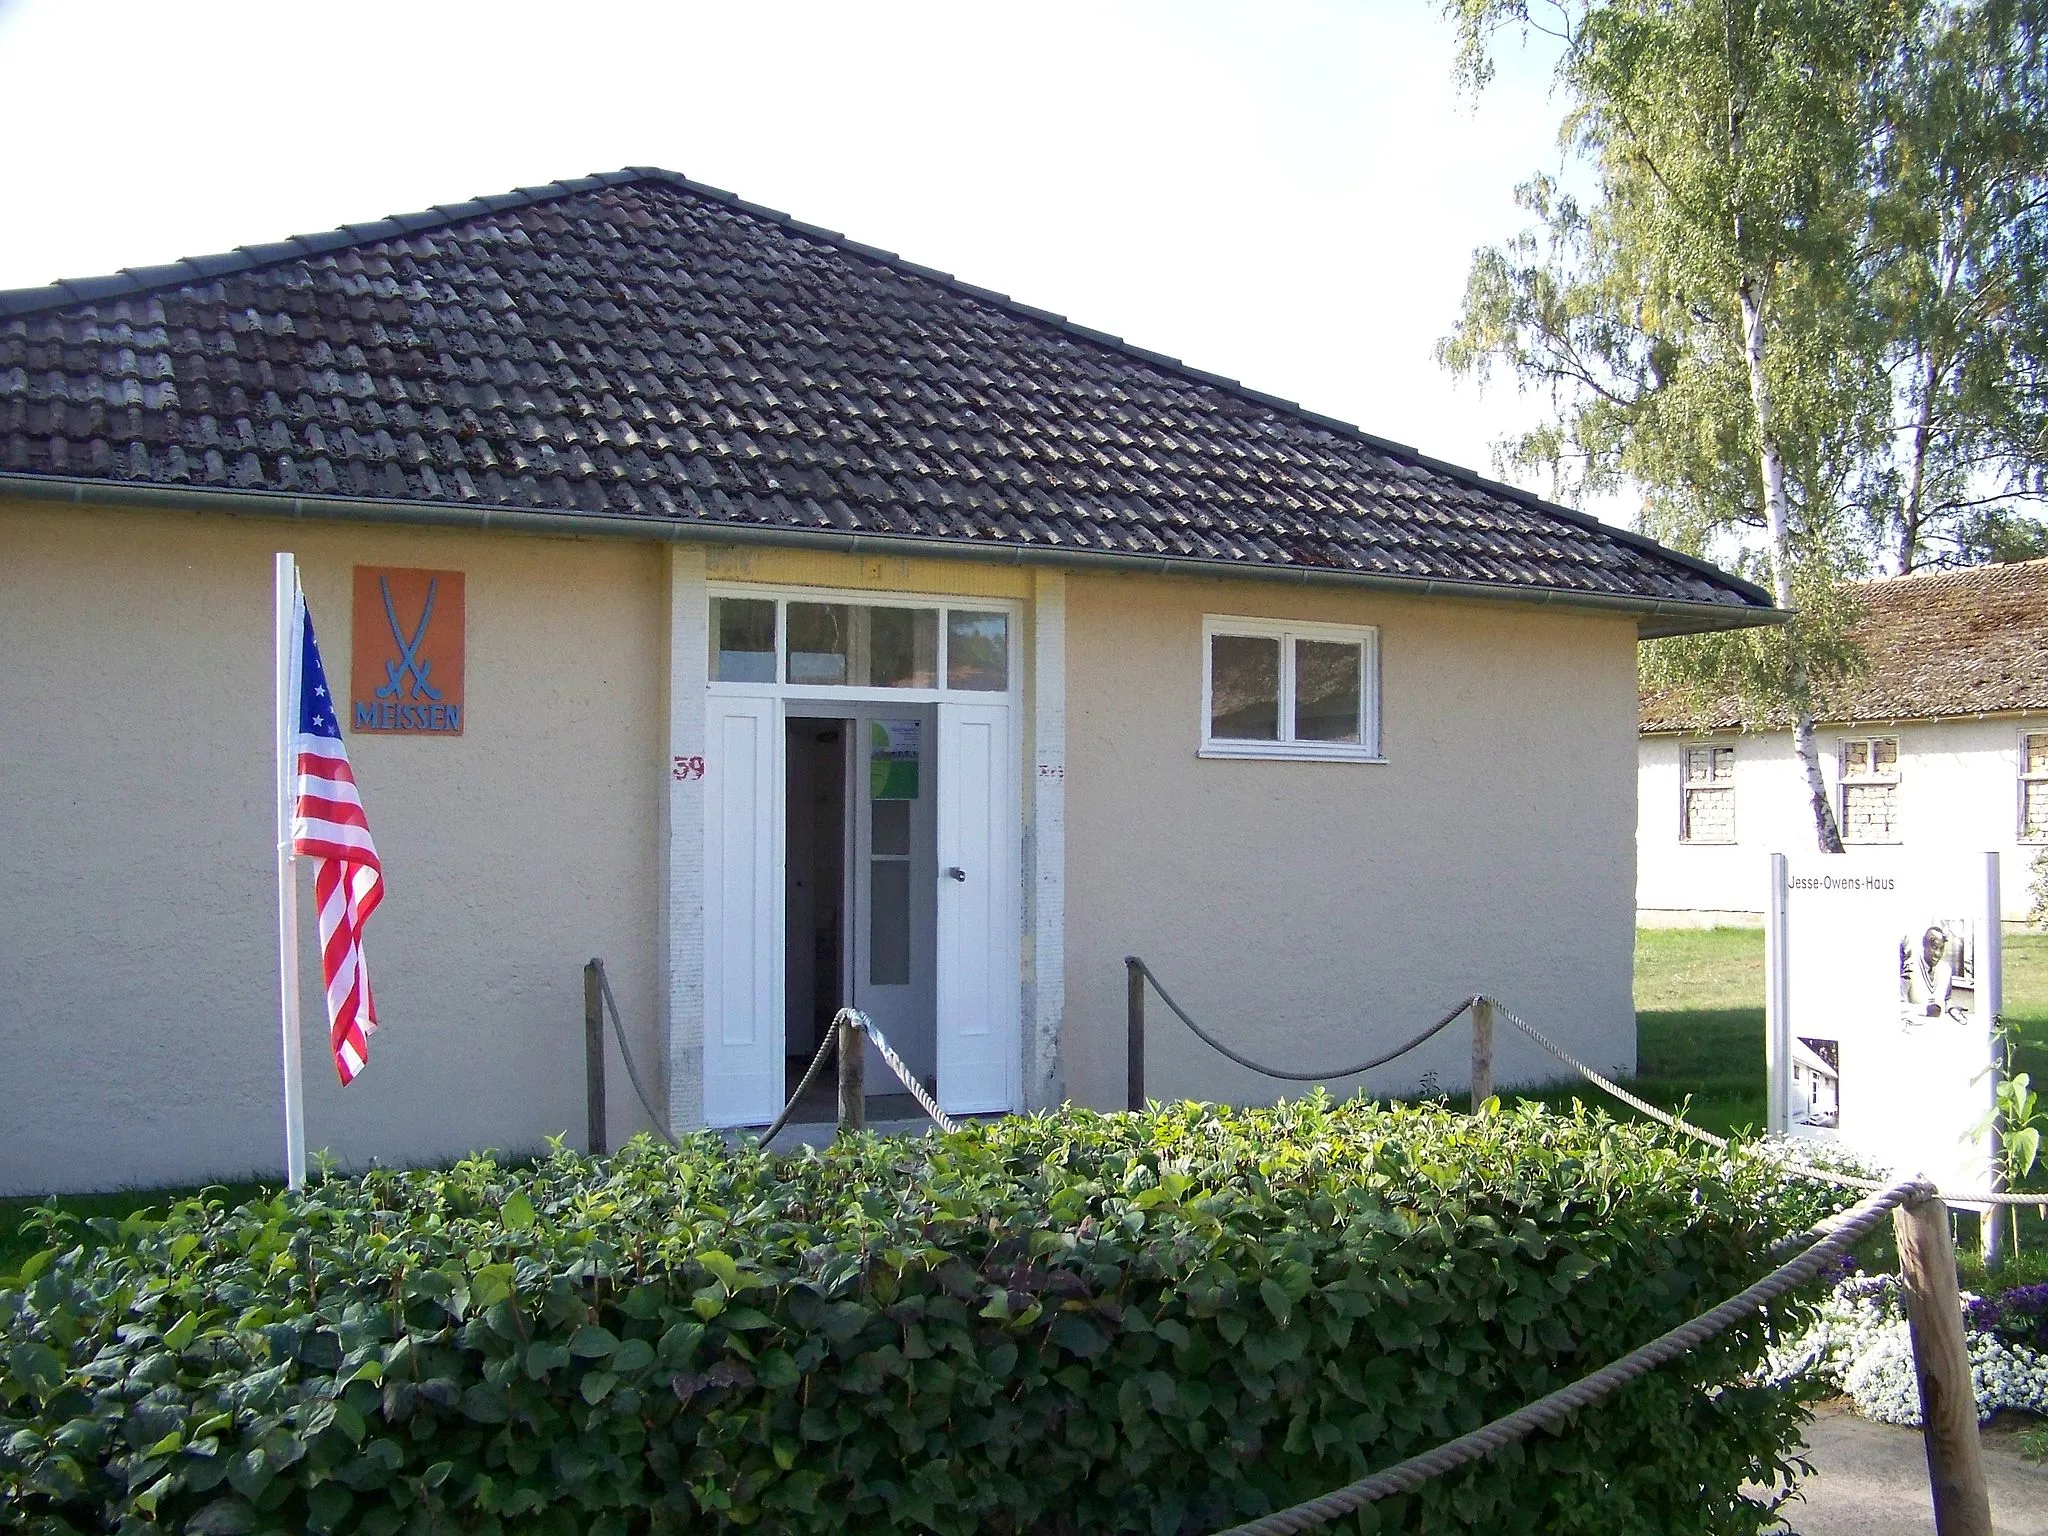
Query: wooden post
point(1948, 1406)
point(853, 1066)
point(1134, 1033)
point(593, 1055)
point(1482, 1051)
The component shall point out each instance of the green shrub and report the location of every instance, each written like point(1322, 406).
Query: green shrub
point(1075, 1323)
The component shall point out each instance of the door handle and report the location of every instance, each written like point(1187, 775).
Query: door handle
point(955, 872)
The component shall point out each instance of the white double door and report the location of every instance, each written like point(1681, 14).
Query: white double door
point(975, 981)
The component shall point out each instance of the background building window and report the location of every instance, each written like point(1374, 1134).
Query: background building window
point(1707, 810)
point(2034, 787)
point(1870, 789)
point(1275, 689)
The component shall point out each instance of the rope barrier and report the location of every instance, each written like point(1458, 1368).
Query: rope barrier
point(866, 1026)
point(1297, 1077)
point(660, 1121)
point(825, 1047)
point(1405, 1476)
point(903, 1073)
point(1789, 1164)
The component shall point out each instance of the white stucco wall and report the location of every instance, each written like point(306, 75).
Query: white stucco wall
point(138, 970)
point(1958, 792)
point(1314, 913)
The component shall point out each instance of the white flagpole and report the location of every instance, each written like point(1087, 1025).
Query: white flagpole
point(287, 873)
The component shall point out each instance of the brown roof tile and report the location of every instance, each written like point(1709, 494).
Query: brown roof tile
point(635, 345)
point(1963, 642)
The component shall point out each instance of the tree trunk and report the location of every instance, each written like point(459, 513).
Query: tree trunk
point(1916, 474)
point(1777, 517)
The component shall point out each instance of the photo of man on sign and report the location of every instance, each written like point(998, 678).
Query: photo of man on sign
point(1937, 973)
point(405, 676)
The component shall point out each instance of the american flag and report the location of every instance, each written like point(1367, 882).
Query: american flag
point(328, 825)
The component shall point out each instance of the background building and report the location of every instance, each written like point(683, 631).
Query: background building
point(1939, 744)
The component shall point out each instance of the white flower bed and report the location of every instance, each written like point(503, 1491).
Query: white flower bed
point(1860, 1345)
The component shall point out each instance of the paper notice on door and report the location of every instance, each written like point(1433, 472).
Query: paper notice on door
point(894, 747)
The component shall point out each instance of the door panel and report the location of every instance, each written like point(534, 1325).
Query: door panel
point(894, 853)
point(743, 901)
point(977, 958)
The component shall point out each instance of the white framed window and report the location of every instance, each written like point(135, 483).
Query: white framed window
point(1869, 769)
point(826, 639)
point(1706, 796)
point(2034, 786)
point(1276, 689)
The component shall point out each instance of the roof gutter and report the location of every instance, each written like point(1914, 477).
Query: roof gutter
point(1655, 617)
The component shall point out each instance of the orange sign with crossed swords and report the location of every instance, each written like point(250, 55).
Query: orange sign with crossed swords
point(405, 673)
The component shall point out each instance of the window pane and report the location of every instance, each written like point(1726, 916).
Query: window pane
point(1870, 813)
point(1709, 816)
point(901, 647)
point(1327, 691)
point(892, 827)
point(889, 922)
point(1709, 765)
point(1884, 755)
point(742, 640)
point(820, 643)
point(2034, 811)
point(2037, 753)
point(978, 651)
point(1855, 757)
point(1244, 688)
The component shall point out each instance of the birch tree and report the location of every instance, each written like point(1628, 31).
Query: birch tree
point(1689, 319)
point(1958, 251)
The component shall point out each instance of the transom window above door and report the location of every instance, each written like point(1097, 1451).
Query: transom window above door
point(1274, 689)
point(834, 643)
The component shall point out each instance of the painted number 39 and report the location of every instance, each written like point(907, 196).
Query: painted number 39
point(689, 768)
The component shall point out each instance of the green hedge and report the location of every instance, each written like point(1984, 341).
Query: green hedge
point(1068, 1324)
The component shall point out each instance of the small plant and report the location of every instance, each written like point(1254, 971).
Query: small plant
point(2033, 1442)
point(2020, 1315)
point(2019, 1112)
point(2016, 1110)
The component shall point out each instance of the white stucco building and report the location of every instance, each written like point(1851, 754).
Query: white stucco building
point(1940, 744)
point(787, 625)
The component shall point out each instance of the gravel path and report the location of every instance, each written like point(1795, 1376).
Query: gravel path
point(1871, 1480)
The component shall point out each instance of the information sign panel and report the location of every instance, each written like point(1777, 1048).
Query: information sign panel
point(1883, 984)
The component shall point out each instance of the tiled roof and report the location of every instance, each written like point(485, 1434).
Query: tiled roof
point(1964, 642)
point(637, 348)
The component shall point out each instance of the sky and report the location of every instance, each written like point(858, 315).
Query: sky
point(1287, 192)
